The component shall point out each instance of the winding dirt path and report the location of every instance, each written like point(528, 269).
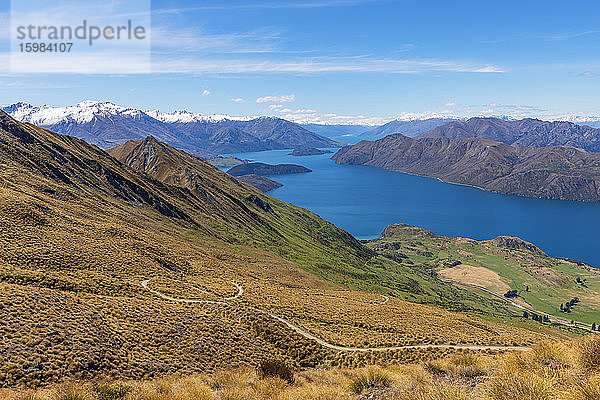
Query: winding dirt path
point(166, 297)
point(305, 333)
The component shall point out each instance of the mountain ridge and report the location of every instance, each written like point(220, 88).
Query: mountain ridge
point(524, 132)
point(107, 125)
point(410, 128)
point(552, 172)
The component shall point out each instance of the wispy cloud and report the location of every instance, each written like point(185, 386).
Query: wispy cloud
point(238, 100)
point(570, 35)
point(588, 74)
point(277, 99)
point(206, 92)
point(265, 5)
point(492, 41)
point(26, 84)
point(194, 65)
point(515, 108)
point(171, 40)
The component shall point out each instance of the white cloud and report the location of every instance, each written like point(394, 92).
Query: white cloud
point(588, 74)
point(333, 119)
point(277, 99)
point(450, 105)
point(206, 92)
point(310, 116)
point(238, 100)
point(170, 40)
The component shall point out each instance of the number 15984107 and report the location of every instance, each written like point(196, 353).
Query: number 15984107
point(45, 47)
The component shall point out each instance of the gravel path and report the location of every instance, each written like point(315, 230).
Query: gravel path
point(305, 333)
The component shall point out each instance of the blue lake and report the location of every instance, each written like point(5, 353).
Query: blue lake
point(363, 200)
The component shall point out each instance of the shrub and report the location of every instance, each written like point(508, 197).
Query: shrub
point(106, 391)
point(435, 368)
point(372, 378)
point(276, 368)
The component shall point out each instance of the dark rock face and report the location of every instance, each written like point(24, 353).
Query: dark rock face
point(267, 169)
point(549, 172)
point(309, 151)
point(525, 132)
point(262, 183)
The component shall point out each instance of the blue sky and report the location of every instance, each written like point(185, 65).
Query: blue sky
point(351, 60)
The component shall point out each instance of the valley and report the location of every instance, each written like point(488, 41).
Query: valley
point(82, 231)
point(299, 200)
point(500, 265)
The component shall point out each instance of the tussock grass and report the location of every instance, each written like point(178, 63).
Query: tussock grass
point(589, 353)
point(550, 371)
point(371, 378)
point(276, 368)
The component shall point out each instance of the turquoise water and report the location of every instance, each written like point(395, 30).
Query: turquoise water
point(363, 200)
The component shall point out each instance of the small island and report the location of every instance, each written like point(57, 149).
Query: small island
point(309, 151)
point(262, 183)
point(258, 168)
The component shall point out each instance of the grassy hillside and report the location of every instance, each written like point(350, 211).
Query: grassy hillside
point(551, 371)
point(80, 232)
point(500, 265)
point(292, 232)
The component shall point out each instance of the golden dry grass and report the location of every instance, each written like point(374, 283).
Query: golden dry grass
point(79, 232)
point(551, 371)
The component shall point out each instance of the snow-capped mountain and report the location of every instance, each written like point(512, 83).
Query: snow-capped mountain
point(593, 121)
point(107, 125)
point(187, 117)
point(81, 113)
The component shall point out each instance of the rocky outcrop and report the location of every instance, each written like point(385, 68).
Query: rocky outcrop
point(515, 243)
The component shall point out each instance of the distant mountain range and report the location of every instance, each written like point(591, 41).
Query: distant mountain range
point(407, 128)
point(107, 125)
point(344, 133)
point(524, 132)
point(550, 172)
point(565, 125)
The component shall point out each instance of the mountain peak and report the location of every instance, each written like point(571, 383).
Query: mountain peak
point(106, 125)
